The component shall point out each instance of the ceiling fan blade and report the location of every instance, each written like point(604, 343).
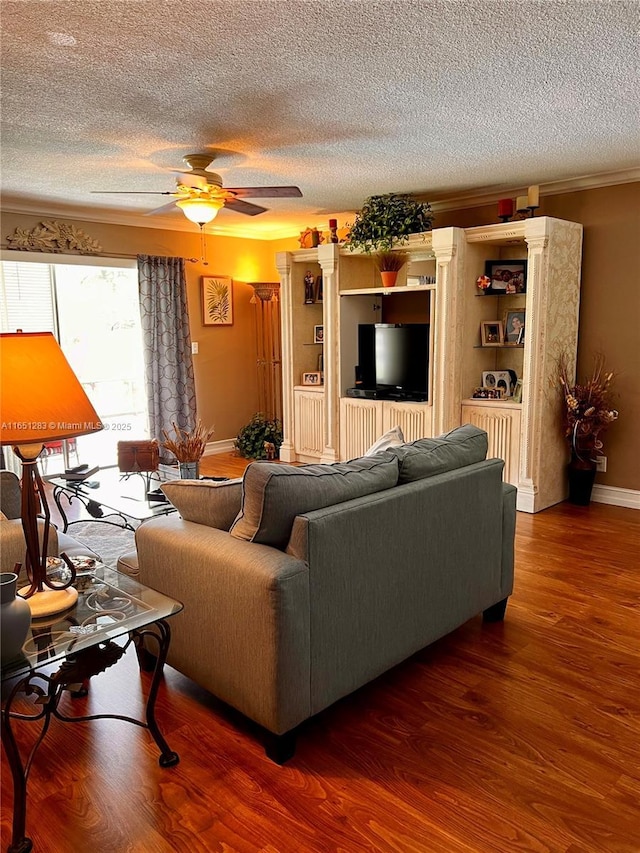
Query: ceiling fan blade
point(244, 207)
point(162, 209)
point(129, 192)
point(265, 192)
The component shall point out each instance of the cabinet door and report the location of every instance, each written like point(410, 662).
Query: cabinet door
point(414, 419)
point(360, 425)
point(309, 425)
point(502, 426)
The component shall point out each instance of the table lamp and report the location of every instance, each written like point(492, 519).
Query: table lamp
point(41, 400)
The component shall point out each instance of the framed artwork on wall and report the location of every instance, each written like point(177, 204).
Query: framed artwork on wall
point(217, 300)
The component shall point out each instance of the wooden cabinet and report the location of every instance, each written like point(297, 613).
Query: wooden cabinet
point(438, 286)
point(501, 422)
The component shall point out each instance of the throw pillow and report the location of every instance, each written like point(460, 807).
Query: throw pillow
point(274, 494)
point(391, 438)
point(215, 504)
point(429, 456)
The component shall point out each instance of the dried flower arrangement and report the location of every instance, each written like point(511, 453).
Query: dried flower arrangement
point(587, 410)
point(390, 261)
point(187, 446)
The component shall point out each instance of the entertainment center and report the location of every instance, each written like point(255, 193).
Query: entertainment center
point(437, 290)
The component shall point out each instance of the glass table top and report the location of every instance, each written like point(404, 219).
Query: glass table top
point(109, 605)
point(124, 494)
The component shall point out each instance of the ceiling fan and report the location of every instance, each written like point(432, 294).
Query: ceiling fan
point(200, 194)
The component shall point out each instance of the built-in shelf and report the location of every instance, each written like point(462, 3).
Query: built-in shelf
point(484, 295)
point(499, 346)
point(504, 403)
point(364, 291)
point(313, 344)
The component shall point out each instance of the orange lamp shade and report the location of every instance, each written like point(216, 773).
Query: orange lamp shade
point(41, 399)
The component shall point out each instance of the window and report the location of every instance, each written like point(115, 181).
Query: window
point(93, 311)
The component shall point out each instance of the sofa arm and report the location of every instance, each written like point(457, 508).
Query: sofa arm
point(12, 545)
point(244, 631)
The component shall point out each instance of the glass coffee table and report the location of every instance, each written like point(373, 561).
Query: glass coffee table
point(118, 499)
point(111, 606)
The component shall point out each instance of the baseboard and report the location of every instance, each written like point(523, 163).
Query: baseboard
point(618, 497)
point(223, 446)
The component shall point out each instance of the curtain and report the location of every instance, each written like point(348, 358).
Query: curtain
point(169, 380)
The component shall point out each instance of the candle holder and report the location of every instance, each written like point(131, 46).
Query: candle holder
point(531, 208)
point(505, 209)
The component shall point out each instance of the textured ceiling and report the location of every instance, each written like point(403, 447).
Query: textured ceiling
point(345, 98)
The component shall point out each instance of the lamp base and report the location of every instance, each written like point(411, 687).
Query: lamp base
point(50, 601)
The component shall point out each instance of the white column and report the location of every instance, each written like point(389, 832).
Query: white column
point(283, 265)
point(328, 260)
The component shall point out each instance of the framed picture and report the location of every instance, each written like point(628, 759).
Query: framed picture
point(491, 333)
point(314, 378)
point(217, 300)
point(318, 334)
point(514, 323)
point(506, 277)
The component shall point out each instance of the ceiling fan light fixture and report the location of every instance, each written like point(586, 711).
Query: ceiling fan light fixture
point(200, 210)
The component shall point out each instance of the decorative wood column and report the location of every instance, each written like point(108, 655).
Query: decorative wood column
point(328, 260)
point(283, 265)
point(447, 330)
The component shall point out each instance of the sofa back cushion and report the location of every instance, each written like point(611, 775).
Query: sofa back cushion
point(429, 456)
point(209, 502)
point(274, 493)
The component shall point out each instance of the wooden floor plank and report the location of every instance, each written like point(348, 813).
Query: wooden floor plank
point(521, 737)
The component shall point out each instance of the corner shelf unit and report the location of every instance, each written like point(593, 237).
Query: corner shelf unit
point(323, 424)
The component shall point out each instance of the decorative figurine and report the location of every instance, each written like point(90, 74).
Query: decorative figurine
point(309, 281)
point(333, 228)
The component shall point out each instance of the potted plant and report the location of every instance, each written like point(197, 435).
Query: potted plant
point(188, 446)
point(386, 221)
point(587, 412)
point(253, 437)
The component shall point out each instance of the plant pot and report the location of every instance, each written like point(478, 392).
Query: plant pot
point(15, 618)
point(581, 480)
point(389, 277)
point(189, 470)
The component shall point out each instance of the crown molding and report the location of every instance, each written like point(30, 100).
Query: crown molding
point(285, 230)
point(492, 195)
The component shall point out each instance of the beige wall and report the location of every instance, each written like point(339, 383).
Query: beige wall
point(609, 318)
point(225, 367)
point(609, 306)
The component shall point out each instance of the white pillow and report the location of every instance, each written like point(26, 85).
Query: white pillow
point(392, 438)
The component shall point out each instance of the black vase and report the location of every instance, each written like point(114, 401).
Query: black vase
point(581, 484)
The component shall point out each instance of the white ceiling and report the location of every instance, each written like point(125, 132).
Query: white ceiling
point(344, 98)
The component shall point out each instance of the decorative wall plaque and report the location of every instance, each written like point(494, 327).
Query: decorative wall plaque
point(53, 236)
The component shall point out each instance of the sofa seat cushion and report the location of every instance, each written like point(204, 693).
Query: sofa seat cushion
point(426, 457)
point(274, 494)
point(214, 504)
point(128, 564)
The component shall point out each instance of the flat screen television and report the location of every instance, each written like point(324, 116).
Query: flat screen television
point(393, 360)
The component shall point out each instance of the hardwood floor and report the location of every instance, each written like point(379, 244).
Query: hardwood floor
point(516, 736)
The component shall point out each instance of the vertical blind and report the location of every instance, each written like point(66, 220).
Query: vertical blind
point(28, 299)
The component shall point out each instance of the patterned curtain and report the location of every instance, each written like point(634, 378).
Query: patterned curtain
point(171, 392)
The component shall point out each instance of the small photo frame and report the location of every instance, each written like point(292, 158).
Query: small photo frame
point(506, 277)
point(217, 300)
point(312, 378)
point(318, 334)
point(514, 326)
point(517, 391)
point(491, 334)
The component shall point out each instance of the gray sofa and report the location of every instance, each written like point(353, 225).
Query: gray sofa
point(330, 574)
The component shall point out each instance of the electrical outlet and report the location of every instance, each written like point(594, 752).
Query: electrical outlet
point(601, 464)
point(194, 348)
